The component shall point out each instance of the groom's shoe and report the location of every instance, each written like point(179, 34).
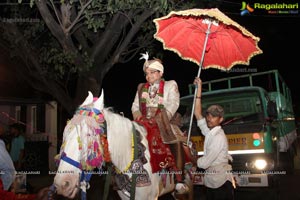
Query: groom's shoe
point(181, 188)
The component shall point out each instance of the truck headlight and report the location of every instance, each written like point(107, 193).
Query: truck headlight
point(260, 164)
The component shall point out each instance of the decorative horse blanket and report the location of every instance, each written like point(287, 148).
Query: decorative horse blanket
point(161, 157)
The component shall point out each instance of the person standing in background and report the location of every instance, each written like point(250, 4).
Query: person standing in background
point(6, 137)
point(17, 151)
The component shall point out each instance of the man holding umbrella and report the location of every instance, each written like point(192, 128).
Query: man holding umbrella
point(218, 176)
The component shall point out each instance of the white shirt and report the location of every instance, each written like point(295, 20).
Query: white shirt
point(215, 157)
point(7, 169)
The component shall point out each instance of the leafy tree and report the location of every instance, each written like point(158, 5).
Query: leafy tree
point(65, 48)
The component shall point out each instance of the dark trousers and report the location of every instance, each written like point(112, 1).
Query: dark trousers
point(225, 192)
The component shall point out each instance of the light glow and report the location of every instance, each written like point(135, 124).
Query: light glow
point(260, 164)
point(256, 143)
point(256, 136)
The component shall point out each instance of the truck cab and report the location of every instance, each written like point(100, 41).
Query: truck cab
point(259, 124)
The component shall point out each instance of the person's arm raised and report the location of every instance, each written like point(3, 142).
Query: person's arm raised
point(198, 101)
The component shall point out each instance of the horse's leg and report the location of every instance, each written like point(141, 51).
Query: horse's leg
point(190, 184)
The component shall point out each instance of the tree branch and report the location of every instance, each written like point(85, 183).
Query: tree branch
point(78, 16)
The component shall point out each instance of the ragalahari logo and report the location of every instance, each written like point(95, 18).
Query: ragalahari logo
point(246, 9)
point(271, 8)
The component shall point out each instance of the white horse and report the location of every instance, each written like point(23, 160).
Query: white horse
point(95, 135)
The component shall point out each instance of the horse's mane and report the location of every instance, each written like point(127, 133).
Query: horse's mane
point(119, 136)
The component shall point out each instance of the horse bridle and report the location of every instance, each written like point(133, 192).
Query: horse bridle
point(83, 181)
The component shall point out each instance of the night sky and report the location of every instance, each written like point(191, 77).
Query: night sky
point(279, 40)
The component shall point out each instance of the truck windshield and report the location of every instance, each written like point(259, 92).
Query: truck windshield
point(244, 119)
point(243, 110)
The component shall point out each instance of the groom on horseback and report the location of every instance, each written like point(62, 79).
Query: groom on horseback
point(154, 106)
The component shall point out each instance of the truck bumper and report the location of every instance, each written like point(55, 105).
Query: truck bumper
point(251, 180)
point(241, 180)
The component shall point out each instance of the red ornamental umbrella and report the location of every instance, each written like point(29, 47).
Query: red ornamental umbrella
point(208, 38)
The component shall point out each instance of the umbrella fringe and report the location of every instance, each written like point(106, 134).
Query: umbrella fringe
point(213, 13)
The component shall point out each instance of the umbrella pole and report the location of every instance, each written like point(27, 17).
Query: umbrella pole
point(198, 75)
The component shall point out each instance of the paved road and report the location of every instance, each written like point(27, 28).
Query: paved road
point(289, 185)
point(289, 189)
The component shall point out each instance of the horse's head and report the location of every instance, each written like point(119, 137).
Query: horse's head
point(82, 149)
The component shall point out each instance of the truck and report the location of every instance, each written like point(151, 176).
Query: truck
point(259, 123)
